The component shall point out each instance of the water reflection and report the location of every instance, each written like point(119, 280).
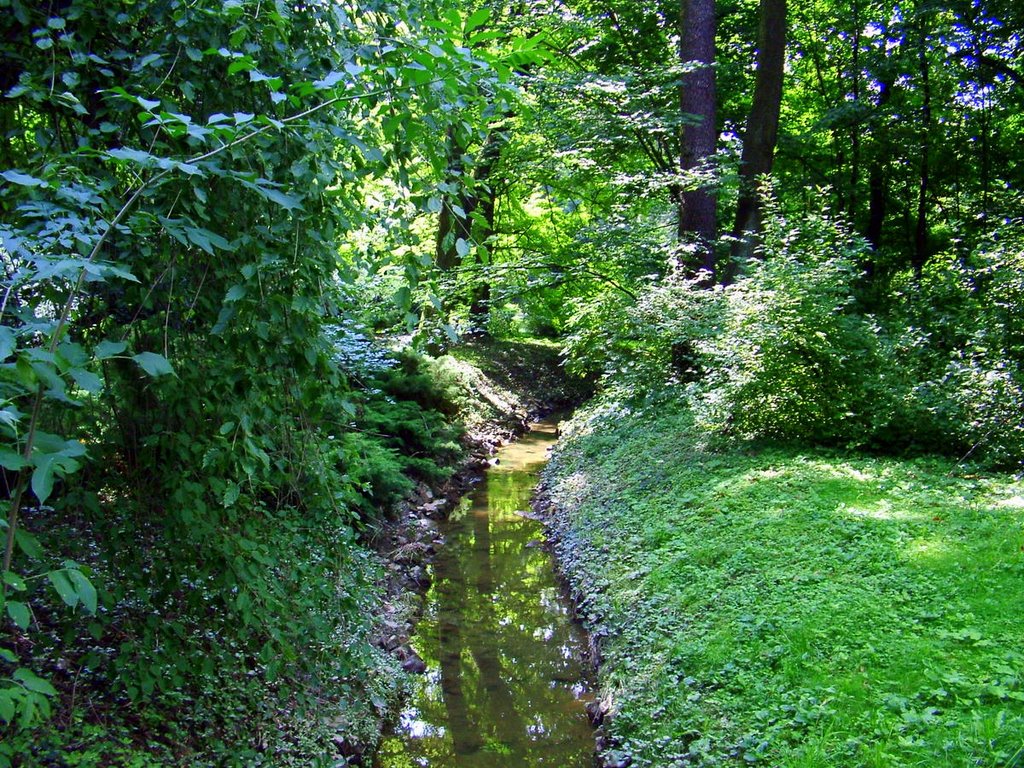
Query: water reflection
point(504, 684)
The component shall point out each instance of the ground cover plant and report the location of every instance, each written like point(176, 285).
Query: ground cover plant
point(788, 607)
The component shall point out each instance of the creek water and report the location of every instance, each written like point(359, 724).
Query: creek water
point(505, 685)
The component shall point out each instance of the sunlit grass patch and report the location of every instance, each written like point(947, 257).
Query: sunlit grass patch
point(791, 608)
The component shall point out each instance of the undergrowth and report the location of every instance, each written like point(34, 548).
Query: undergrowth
point(786, 607)
point(243, 637)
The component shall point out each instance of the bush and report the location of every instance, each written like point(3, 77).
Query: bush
point(793, 359)
point(956, 333)
point(787, 352)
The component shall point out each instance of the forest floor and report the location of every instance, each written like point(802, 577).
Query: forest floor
point(790, 607)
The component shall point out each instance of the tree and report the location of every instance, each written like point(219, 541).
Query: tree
point(761, 132)
point(698, 214)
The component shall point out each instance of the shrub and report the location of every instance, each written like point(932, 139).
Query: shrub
point(793, 359)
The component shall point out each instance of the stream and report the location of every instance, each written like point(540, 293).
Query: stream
point(505, 683)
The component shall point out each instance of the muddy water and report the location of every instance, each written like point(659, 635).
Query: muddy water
point(504, 684)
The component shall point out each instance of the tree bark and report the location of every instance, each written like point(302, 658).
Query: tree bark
point(855, 128)
point(878, 197)
point(468, 214)
point(761, 134)
point(453, 222)
point(698, 209)
point(921, 228)
point(483, 229)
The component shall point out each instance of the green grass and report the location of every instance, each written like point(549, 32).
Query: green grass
point(787, 608)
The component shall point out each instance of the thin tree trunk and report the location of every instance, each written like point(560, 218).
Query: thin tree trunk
point(698, 214)
point(921, 229)
point(876, 180)
point(855, 128)
point(762, 129)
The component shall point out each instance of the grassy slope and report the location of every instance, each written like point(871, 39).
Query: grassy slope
point(793, 609)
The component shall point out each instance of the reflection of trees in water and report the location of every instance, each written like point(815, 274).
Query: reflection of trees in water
point(504, 714)
point(450, 620)
point(498, 698)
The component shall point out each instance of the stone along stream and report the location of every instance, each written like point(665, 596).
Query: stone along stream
point(505, 684)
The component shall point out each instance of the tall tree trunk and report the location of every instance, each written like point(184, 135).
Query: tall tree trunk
point(762, 130)
point(453, 221)
point(876, 179)
point(483, 224)
point(698, 212)
point(468, 215)
point(986, 153)
point(855, 128)
point(921, 228)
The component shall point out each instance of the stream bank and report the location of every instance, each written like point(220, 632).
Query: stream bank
point(505, 386)
point(788, 606)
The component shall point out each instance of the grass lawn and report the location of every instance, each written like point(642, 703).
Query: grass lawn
point(792, 608)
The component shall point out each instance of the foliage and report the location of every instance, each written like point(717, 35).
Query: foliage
point(406, 432)
point(793, 358)
point(176, 179)
point(789, 351)
point(788, 608)
point(956, 334)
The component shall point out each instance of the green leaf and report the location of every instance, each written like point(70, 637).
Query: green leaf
point(476, 19)
point(462, 247)
point(23, 179)
point(29, 679)
point(6, 704)
point(14, 581)
point(11, 460)
point(87, 380)
point(104, 269)
point(243, 64)
point(68, 99)
point(330, 81)
point(86, 591)
point(28, 544)
point(153, 364)
point(62, 583)
point(10, 416)
point(288, 202)
point(19, 613)
point(207, 240)
point(8, 655)
point(8, 342)
point(108, 349)
point(235, 293)
point(231, 494)
point(132, 155)
point(42, 478)
point(227, 312)
point(71, 448)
